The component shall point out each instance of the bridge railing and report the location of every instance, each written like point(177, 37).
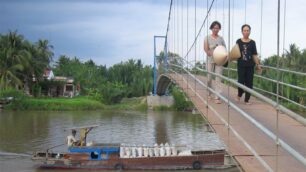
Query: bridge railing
point(278, 107)
point(298, 88)
point(262, 78)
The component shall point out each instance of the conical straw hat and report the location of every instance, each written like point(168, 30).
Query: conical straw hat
point(220, 55)
point(235, 53)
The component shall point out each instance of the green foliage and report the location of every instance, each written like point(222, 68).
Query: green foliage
point(36, 90)
point(11, 92)
point(132, 73)
point(180, 100)
point(14, 59)
point(21, 60)
point(294, 59)
point(95, 94)
point(17, 96)
point(42, 87)
point(113, 92)
point(126, 79)
point(173, 59)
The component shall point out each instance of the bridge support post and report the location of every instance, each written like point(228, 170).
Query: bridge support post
point(154, 66)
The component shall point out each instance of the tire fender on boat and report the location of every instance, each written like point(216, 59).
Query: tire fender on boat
point(118, 166)
point(196, 165)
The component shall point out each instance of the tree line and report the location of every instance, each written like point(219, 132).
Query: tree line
point(22, 60)
point(108, 85)
point(293, 59)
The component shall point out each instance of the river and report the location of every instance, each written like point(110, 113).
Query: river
point(21, 133)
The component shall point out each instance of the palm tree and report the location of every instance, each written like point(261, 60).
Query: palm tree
point(45, 50)
point(13, 59)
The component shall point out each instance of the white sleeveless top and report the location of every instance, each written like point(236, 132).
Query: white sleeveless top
point(212, 44)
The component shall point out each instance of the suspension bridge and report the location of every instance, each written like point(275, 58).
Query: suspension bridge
point(264, 136)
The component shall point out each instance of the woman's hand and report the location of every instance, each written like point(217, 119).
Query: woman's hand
point(210, 53)
point(258, 69)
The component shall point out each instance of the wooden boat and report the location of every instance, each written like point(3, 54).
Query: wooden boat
point(127, 157)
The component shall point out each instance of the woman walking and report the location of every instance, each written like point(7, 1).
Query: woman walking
point(210, 43)
point(246, 62)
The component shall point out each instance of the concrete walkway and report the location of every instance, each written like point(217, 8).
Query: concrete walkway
point(290, 131)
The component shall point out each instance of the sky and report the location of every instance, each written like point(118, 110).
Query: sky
point(112, 31)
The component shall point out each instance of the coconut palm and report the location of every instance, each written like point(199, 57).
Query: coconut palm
point(13, 60)
point(45, 50)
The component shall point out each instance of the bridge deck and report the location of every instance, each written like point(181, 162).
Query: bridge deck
point(290, 131)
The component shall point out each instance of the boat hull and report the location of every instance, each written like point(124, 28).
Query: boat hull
point(79, 161)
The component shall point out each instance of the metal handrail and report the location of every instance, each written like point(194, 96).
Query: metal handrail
point(272, 80)
point(285, 98)
point(284, 70)
point(230, 127)
point(288, 148)
point(271, 93)
point(280, 69)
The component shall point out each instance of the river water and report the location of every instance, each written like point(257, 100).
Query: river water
point(21, 133)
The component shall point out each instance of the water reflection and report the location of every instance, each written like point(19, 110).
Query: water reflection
point(21, 133)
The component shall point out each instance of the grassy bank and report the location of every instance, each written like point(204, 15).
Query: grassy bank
point(79, 103)
point(86, 103)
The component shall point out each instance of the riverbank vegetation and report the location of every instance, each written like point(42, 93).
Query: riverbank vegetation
point(23, 63)
point(121, 86)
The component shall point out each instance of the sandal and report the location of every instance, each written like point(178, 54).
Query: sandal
point(209, 97)
point(237, 99)
point(248, 103)
point(218, 101)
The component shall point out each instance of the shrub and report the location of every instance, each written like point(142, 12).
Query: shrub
point(180, 101)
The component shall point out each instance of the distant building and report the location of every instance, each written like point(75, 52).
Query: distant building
point(61, 87)
point(48, 74)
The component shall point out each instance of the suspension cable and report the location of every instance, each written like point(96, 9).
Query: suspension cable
point(223, 17)
point(228, 72)
point(283, 53)
point(261, 14)
point(284, 29)
point(166, 47)
point(216, 12)
point(187, 41)
point(173, 32)
point(178, 26)
point(195, 37)
point(200, 29)
point(169, 17)
point(233, 11)
point(207, 91)
point(277, 86)
point(245, 11)
point(182, 31)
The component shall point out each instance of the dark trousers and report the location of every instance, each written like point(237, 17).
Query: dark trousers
point(245, 77)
